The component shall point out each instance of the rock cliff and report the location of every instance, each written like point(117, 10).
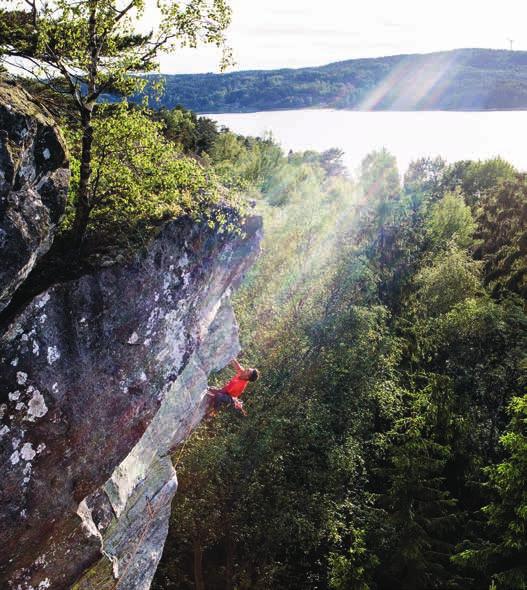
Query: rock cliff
point(99, 378)
point(34, 180)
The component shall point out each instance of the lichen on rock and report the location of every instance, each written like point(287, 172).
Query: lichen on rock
point(34, 179)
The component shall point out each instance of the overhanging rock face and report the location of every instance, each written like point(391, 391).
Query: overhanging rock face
point(133, 508)
point(34, 180)
point(100, 377)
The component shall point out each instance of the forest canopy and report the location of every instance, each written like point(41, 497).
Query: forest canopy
point(385, 443)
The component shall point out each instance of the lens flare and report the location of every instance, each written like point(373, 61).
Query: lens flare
point(410, 87)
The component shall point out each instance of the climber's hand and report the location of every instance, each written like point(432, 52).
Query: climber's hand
point(236, 366)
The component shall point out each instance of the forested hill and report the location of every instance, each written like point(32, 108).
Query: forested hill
point(464, 79)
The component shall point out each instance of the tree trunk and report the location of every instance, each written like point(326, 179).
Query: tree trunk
point(82, 205)
point(199, 583)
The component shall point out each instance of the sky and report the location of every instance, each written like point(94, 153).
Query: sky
point(269, 34)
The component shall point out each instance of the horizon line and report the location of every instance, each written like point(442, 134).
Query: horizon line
point(340, 61)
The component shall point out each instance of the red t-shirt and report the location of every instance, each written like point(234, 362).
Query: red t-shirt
point(236, 386)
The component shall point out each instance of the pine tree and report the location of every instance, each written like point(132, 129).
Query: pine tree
point(419, 508)
point(503, 555)
point(502, 222)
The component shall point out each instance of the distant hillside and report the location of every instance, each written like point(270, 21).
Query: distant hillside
point(464, 79)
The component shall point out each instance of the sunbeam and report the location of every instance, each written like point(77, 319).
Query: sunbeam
point(408, 87)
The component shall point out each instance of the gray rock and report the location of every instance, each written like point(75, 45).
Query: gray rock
point(100, 377)
point(34, 181)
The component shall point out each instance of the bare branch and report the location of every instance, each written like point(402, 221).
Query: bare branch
point(122, 13)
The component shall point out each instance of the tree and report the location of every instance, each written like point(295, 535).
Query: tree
point(180, 127)
point(383, 396)
point(139, 177)
point(245, 161)
point(422, 183)
point(452, 278)
point(502, 231)
point(450, 220)
point(84, 48)
point(380, 183)
point(379, 177)
point(502, 554)
point(419, 508)
point(475, 179)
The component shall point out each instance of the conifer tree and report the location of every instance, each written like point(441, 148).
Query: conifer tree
point(502, 556)
point(419, 507)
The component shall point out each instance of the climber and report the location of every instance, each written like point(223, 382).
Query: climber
point(230, 393)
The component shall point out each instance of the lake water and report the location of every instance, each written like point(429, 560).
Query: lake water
point(408, 135)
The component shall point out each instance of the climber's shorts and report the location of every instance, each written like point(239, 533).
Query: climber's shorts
point(221, 398)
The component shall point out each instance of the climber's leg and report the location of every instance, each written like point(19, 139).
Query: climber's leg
point(217, 399)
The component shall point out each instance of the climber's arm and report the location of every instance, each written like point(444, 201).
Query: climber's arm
point(236, 366)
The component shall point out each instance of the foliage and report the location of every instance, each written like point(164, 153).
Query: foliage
point(196, 135)
point(502, 229)
point(421, 509)
point(387, 367)
point(476, 179)
point(139, 177)
point(379, 177)
point(245, 162)
point(56, 38)
point(450, 221)
point(82, 49)
point(451, 279)
point(503, 552)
